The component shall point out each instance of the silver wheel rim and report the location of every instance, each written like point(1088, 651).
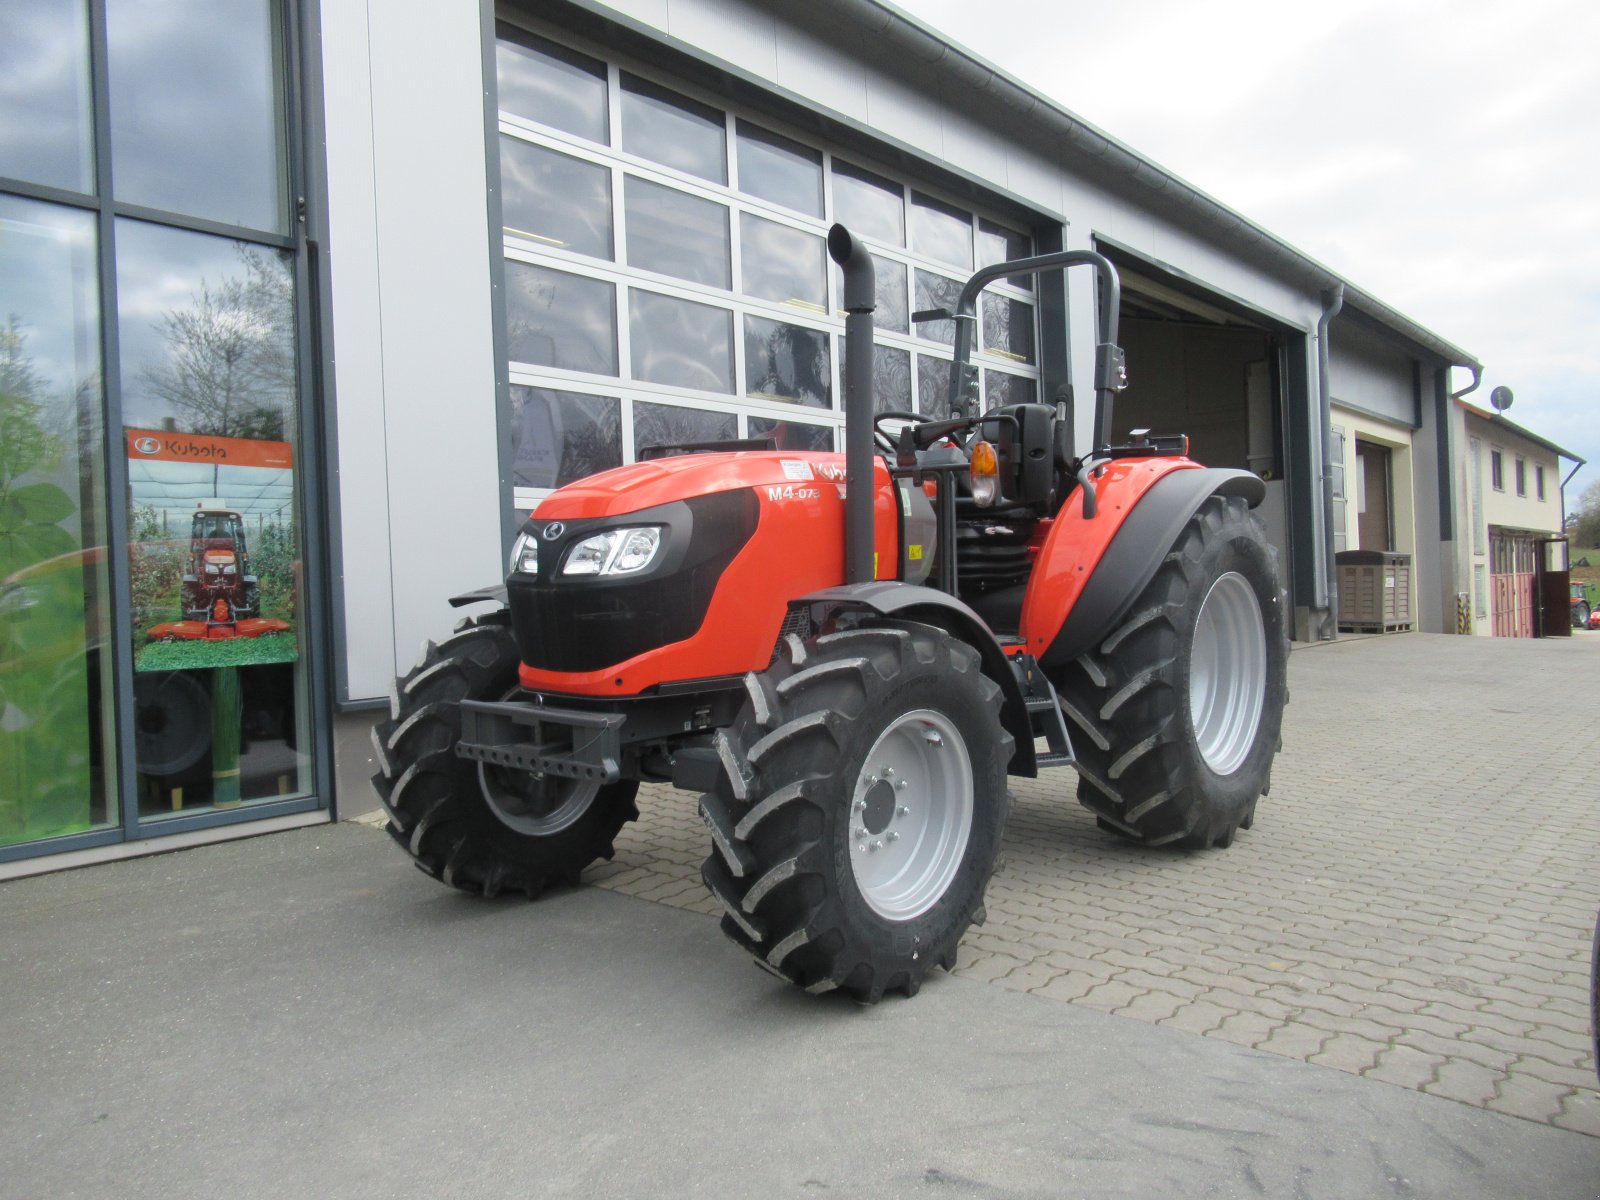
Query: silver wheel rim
point(911, 815)
point(537, 806)
point(1228, 673)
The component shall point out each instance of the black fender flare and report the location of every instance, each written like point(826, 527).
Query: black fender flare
point(1131, 560)
point(494, 593)
point(913, 602)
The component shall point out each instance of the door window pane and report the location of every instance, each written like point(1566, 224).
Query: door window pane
point(937, 291)
point(555, 319)
point(868, 205)
point(780, 171)
point(670, 425)
point(555, 198)
point(1000, 388)
point(933, 385)
point(891, 378)
point(558, 437)
point(786, 362)
point(677, 234)
point(680, 343)
point(1008, 327)
point(215, 557)
point(997, 244)
point(550, 84)
point(55, 669)
point(197, 110)
point(940, 230)
point(889, 290)
point(44, 94)
point(782, 264)
point(673, 130)
point(793, 435)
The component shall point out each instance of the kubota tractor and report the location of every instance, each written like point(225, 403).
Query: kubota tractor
point(846, 655)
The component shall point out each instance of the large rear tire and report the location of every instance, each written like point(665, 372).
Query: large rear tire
point(1178, 710)
point(476, 827)
point(861, 809)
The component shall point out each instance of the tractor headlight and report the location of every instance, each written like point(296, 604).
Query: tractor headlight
point(524, 555)
point(213, 569)
point(614, 552)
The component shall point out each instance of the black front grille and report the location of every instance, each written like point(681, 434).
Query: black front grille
point(586, 623)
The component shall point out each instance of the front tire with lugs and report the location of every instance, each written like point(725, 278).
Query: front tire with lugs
point(864, 797)
point(1178, 710)
point(475, 827)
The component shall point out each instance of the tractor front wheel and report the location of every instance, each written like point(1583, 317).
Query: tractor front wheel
point(863, 801)
point(1178, 709)
point(476, 827)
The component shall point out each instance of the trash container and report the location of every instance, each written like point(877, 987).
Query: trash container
point(1374, 591)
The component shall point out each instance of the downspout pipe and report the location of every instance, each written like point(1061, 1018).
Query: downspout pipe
point(1332, 302)
point(860, 299)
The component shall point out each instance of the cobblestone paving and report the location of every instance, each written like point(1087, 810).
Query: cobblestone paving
point(1414, 905)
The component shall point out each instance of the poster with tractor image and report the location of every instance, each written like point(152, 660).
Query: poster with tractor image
point(212, 570)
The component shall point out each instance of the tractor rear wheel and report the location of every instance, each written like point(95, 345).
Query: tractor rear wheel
point(860, 813)
point(1178, 709)
point(476, 827)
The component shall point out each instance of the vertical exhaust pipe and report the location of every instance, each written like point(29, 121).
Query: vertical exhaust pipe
point(860, 299)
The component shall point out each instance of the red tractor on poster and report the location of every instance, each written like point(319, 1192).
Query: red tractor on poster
point(221, 598)
point(847, 654)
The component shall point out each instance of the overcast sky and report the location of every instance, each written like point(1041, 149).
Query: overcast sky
point(1444, 155)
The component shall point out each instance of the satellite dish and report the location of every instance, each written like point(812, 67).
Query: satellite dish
point(1501, 398)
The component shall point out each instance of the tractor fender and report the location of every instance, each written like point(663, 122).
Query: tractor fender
point(494, 592)
point(1150, 524)
point(912, 602)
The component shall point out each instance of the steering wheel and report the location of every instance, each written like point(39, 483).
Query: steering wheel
point(887, 442)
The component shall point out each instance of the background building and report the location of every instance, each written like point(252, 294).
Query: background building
point(432, 261)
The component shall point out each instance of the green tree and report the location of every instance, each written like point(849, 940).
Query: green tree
point(1586, 526)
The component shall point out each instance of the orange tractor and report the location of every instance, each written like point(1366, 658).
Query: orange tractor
point(221, 598)
point(847, 655)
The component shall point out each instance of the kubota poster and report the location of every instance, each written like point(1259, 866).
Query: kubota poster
point(212, 543)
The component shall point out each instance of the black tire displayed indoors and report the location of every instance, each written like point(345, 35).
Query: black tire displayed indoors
point(476, 827)
point(861, 806)
point(1177, 712)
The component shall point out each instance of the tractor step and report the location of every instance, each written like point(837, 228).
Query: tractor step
point(1044, 714)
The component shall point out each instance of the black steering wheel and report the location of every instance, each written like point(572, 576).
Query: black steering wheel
point(887, 442)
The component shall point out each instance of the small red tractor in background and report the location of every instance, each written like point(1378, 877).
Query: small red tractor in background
point(846, 655)
point(221, 598)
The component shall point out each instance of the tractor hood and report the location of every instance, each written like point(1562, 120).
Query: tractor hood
point(661, 481)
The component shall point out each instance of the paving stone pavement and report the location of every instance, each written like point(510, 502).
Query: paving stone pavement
point(1415, 903)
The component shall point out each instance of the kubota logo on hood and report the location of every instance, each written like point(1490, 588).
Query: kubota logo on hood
point(554, 530)
point(147, 445)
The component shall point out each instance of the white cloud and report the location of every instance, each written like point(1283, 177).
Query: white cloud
point(1441, 154)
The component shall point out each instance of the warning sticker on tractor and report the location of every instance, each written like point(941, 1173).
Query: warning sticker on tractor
point(794, 469)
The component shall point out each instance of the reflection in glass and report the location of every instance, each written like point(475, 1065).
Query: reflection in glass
point(933, 385)
point(559, 437)
point(669, 425)
point(937, 291)
point(44, 94)
point(940, 230)
point(1001, 388)
point(554, 198)
point(889, 290)
point(677, 234)
point(868, 205)
point(673, 130)
point(680, 343)
point(541, 81)
point(782, 264)
point(1007, 327)
point(891, 378)
point(793, 435)
point(196, 109)
point(997, 244)
point(206, 333)
point(555, 319)
point(55, 674)
point(780, 171)
point(786, 362)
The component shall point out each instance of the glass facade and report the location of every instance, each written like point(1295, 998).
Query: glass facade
point(667, 278)
point(152, 465)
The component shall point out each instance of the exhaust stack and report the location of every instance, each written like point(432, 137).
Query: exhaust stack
point(860, 299)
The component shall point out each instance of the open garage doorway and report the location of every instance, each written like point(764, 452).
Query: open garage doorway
point(1202, 365)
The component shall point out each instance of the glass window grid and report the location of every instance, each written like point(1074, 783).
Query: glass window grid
point(622, 164)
